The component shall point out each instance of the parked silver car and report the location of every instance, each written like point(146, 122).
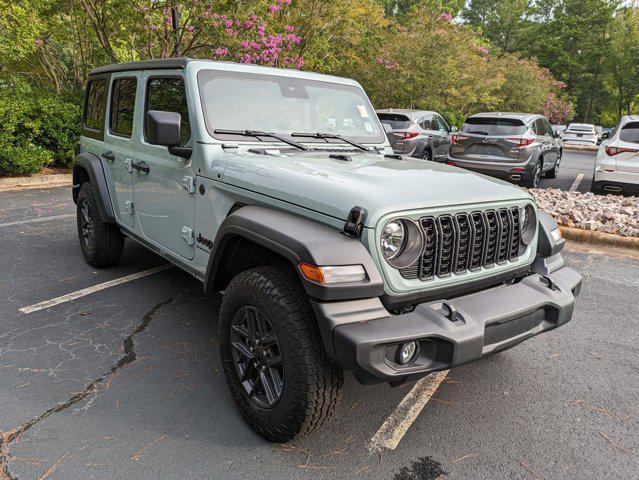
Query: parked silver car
point(519, 147)
point(582, 134)
point(617, 164)
point(417, 133)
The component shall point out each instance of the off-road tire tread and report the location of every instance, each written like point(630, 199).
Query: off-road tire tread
point(109, 241)
point(318, 381)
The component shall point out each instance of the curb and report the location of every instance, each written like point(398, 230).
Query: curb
point(36, 181)
point(599, 238)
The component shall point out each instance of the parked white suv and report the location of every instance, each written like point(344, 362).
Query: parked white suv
point(617, 164)
point(580, 134)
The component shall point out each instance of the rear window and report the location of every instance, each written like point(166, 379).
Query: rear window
point(95, 105)
point(396, 121)
point(630, 133)
point(494, 126)
point(581, 128)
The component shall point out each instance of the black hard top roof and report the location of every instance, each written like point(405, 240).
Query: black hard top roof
point(159, 64)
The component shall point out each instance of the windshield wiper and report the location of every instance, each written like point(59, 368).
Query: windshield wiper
point(257, 134)
point(326, 136)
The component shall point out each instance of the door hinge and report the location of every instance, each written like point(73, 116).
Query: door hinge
point(189, 184)
point(128, 207)
point(187, 235)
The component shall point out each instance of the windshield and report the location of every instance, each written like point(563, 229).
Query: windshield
point(283, 105)
point(494, 126)
point(397, 122)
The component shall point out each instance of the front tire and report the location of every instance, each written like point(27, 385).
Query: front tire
point(101, 243)
point(555, 170)
point(273, 357)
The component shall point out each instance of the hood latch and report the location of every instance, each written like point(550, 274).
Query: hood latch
point(355, 222)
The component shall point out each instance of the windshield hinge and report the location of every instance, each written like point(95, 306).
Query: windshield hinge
point(189, 184)
point(355, 222)
point(187, 235)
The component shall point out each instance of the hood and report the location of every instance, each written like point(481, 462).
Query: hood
point(381, 185)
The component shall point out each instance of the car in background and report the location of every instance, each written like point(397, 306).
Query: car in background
point(582, 134)
point(518, 147)
point(617, 163)
point(417, 133)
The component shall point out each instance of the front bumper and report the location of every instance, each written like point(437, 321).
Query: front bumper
point(364, 336)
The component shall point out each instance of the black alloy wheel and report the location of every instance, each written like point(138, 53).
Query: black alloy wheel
point(257, 357)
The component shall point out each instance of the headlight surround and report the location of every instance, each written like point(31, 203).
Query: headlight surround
point(528, 224)
point(401, 242)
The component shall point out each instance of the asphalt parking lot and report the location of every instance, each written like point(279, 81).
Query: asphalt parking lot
point(125, 382)
point(575, 172)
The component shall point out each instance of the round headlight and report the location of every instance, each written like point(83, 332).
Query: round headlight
point(401, 241)
point(528, 224)
point(393, 239)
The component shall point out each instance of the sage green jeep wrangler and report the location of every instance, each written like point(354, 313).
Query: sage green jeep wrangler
point(280, 189)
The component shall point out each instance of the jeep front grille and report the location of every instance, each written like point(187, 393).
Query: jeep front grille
point(454, 244)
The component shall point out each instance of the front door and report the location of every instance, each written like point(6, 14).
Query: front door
point(119, 143)
point(164, 196)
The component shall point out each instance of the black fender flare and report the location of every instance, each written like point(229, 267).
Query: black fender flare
point(90, 165)
point(298, 239)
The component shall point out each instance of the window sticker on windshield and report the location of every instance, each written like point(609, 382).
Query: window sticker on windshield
point(368, 127)
point(362, 111)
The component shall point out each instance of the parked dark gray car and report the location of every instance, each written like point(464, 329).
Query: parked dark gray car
point(519, 147)
point(417, 133)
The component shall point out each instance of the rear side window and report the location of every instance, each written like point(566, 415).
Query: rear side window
point(493, 126)
point(168, 95)
point(540, 127)
point(95, 104)
point(397, 122)
point(122, 106)
point(630, 133)
point(428, 123)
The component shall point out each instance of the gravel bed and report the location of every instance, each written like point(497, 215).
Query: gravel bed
point(605, 213)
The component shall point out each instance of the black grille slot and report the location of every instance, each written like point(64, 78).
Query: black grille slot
point(446, 237)
point(492, 231)
point(505, 229)
point(466, 241)
point(479, 240)
point(514, 238)
point(429, 256)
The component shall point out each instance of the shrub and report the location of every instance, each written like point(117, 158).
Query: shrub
point(36, 129)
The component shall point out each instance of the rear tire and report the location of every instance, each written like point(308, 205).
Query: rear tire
point(532, 179)
point(101, 243)
point(291, 354)
point(427, 155)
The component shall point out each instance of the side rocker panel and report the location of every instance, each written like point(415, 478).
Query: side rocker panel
point(89, 164)
point(298, 240)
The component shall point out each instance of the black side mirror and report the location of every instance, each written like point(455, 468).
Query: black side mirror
point(163, 128)
point(454, 129)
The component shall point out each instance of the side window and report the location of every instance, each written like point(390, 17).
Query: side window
point(549, 131)
point(168, 94)
point(122, 106)
point(539, 127)
point(441, 124)
point(95, 104)
point(427, 123)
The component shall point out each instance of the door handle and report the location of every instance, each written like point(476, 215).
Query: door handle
point(141, 166)
point(108, 156)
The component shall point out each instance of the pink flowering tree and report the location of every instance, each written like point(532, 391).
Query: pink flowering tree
point(195, 28)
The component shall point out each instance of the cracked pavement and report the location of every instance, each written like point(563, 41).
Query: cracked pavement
point(126, 383)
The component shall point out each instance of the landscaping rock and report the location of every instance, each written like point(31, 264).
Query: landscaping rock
point(606, 213)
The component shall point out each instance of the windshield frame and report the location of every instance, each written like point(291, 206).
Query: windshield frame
point(206, 74)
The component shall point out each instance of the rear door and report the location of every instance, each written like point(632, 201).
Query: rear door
point(628, 147)
point(488, 139)
point(165, 193)
point(120, 143)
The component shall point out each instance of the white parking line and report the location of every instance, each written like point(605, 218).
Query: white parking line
point(95, 288)
point(397, 424)
point(576, 183)
point(38, 220)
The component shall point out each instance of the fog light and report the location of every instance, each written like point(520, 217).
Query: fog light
point(407, 353)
